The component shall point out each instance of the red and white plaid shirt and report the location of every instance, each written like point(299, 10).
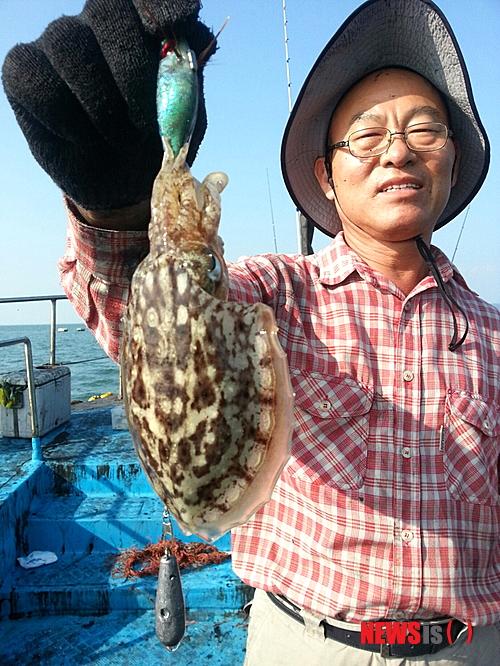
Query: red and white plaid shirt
point(389, 506)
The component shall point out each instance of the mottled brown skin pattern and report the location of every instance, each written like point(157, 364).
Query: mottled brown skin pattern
point(198, 374)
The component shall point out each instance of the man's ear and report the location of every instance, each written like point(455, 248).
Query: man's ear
point(456, 164)
point(325, 183)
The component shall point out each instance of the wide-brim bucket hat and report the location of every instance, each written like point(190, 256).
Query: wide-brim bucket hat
point(413, 34)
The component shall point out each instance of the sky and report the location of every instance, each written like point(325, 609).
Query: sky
point(247, 101)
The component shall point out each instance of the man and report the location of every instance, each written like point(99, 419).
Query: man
point(388, 508)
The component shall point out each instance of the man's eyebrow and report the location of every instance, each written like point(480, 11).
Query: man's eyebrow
point(431, 111)
point(365, 115)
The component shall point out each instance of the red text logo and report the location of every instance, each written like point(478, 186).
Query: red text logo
point(390, 633)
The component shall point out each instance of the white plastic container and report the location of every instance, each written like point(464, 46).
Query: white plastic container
point(53, 401)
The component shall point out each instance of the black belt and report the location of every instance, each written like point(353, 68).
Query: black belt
point(353, 638)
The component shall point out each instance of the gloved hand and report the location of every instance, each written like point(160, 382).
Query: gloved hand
point(84, 96)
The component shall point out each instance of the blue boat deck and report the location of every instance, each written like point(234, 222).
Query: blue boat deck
point(120, 640)
point(88, 499)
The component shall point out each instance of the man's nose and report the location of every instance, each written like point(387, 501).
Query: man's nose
point(397, 152)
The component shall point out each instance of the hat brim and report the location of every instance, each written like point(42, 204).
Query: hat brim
point(413, 34)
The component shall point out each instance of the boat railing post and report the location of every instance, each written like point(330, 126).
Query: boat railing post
point(53, 304)
point(36, 451)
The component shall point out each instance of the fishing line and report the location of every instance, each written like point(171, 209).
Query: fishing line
point(272, 213)
point(87, 360)
point(460, 234)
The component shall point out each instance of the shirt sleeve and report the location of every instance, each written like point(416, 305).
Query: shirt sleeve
point(95, 274)
point(255, 280)
point(97, 269)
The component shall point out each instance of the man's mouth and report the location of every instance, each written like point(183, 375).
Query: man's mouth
point(407, 186)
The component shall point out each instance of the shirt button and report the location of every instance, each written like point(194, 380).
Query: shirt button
point(406, 452)
point(407, 535)
point(486, 424)
point(407, 375)
point(399, 615)
point(407, 306)
point(324, 407)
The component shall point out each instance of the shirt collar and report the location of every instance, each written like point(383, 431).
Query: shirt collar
point(336, 262)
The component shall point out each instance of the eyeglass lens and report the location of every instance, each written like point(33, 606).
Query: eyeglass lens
point(373, 141)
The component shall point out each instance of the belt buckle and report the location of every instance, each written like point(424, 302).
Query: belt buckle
point(385, 649)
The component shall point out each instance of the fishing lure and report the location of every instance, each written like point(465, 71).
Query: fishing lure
point(176, 93)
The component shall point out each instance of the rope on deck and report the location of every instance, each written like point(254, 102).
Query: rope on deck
point(137, 563)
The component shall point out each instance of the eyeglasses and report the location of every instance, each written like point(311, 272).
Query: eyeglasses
point(373, 141)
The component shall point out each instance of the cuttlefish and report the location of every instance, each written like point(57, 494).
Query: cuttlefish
point(206, 383)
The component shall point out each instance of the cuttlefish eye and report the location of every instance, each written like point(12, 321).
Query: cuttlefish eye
point(214, 271)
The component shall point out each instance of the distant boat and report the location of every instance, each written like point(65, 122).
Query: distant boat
point(62, 330)
point(80, 329)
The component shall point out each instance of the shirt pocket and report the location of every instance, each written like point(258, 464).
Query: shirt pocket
point(471, 448)
point(332, 427)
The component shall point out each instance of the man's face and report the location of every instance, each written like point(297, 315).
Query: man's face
point(401, 193)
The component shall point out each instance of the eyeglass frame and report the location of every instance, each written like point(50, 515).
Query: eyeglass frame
point(404, 133)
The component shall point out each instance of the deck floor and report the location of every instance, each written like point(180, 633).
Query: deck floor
point(120, 639)
point(88, 450)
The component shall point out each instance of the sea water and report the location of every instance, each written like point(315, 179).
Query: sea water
point(92, 372)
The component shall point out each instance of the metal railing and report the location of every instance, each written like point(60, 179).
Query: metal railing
point(36, 446)
point(36, 451)
point(53, 305)
point(53, 301)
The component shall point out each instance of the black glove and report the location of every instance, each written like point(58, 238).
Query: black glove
point(84, 96)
